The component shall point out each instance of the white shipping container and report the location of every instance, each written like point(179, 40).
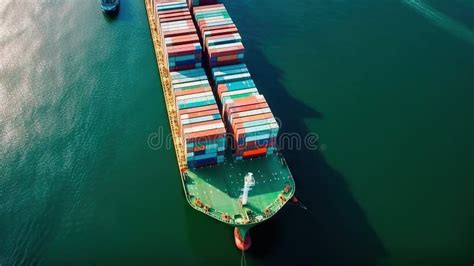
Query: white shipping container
point(198, 119)
point(249, 113)
point(236, 76)
point(194, 96)
point(216, 125)
point(191, 79)
point(258, 137)
point(194, 100)
point(225, 45)
point(203, 83)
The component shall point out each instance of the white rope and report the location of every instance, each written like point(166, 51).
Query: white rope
point(243, 262)
point(302, 205)
point(299, 204)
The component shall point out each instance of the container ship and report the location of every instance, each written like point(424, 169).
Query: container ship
point(224, 132)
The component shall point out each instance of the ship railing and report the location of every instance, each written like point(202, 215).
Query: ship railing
point(168, 95)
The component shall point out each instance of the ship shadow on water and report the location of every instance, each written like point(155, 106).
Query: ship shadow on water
point(334, 230)
point(112, 16)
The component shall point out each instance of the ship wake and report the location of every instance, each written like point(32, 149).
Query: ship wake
point(441, 20)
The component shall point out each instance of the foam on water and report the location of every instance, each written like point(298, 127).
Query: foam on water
point(441, 20)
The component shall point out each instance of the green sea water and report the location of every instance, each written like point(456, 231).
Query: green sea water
point(388, 86)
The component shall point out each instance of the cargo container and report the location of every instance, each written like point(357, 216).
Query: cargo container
point(178, 32)
point(189, 80)
point(199, 118)
point(220, 38)
point(250, 122)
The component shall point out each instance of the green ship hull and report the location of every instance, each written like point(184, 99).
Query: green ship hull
point(216, 190)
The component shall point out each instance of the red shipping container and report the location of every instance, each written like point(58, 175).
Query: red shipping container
point(177, 18)
point(227, 58)
point(239, 150)
point(237, 112)
point(183, 49)
point(205, 135)
point(254, 153)
point(231, 50)
point(184, 39)
point(204, 113)
point(174, 14)
point(255, 99)
point(192, 91)
point(218, 27)
point(206, 123)
point(173, 33)
point(230, 27)
point(197, 109)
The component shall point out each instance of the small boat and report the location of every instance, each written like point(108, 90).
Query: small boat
point(109, 6)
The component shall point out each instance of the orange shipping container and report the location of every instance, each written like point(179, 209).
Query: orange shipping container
point(226, 58)
point(254, 153)
point(173, 11)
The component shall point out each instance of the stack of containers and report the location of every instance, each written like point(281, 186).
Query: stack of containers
point(182, 47)
point(246, 112)
point(220, 37)
point(233, 82)
point(201, 124)
point(253, 126)
point(248, 116)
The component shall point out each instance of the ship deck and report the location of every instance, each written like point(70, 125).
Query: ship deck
point(219, 188)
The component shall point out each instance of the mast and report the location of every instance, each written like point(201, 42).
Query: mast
point(249, 182)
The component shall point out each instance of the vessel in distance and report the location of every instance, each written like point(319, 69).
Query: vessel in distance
point(109, 6)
